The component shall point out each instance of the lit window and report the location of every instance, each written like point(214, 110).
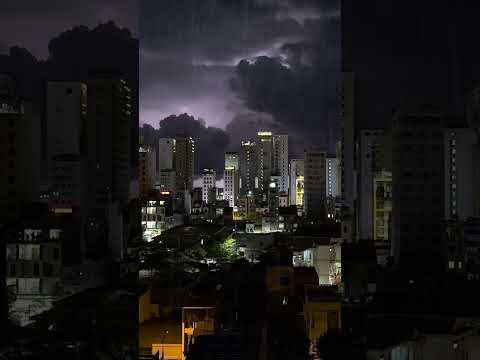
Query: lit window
point(451, 264)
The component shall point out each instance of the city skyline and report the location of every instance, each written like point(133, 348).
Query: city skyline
point(239, 179)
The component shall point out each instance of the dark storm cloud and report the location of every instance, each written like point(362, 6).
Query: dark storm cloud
point(31, 24)
point(210, 142)
point(189, 49)
point(302, 95)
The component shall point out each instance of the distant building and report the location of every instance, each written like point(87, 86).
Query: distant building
point(20, 163)
point(66, 116)
point(418, 190)
point(248, 167)
point(184, 166)
point(374, 157)
point(107, 139)
point(156, 211)
point(209, 180)
point(231, 191)
point(67, 184)
point(297, 182)
point(280, 162)
point(460, 165)
point(332, 185)
point(315, 185)
point(382, 206)
point(166, 153)
point(166, 180)
point(146, 164)
point(264, 156)
point(348, 143)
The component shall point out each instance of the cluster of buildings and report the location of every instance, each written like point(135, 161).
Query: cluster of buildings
point(67, 197)
point(355, 241)
point(258, 180)
point(412, 188)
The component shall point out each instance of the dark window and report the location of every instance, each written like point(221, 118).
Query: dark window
point(284, 280)
point(12, 270)
point(69, 91)
point(36, 270)
point(47, 269)
point(11, 180)
point(56, 253)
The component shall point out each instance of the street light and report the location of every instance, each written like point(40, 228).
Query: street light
point(165, 332)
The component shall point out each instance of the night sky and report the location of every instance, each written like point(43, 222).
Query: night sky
point(189, 63)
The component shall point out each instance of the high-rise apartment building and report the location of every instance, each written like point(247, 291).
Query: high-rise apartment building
point(20, 150)
point(184, 164)
point(231, 178)
point(248, 167)
point(315, 185)
point(146, 164)
point(418, 190)
point(166, 180)
point(67, 183)
point(108, 141)
point(66, 119)
point(264, 154)
point(332, 184)
point(460, 163)
point(374, 156)
point(297, 182)
point(280, 162)
point(382, 206)
point(209, 179)
point(348, 143)
point(230, 185)
point(166, 154)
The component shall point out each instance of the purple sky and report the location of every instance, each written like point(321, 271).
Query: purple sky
point(188, 52)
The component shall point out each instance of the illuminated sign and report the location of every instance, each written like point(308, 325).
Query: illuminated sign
point(63, 211)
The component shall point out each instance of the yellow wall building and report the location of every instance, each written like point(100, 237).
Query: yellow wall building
point(321, 310)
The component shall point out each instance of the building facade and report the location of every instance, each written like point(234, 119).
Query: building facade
point(460, 164)
point(297, 182)
point(248, 167)
point(264, 157)
point(146, 164)
point(34, 268)
point(418, 190)
point(184, 164)
point(315, 185)
point(280, 162)
point(209, 179)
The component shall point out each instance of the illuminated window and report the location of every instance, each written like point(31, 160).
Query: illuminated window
point(451, 264)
